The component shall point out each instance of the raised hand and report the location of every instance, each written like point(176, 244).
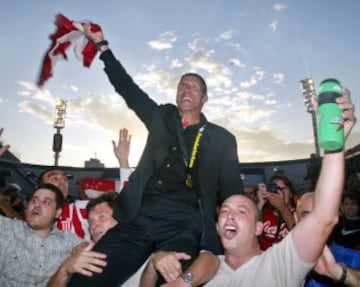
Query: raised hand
point(122, 148)
point(95, 37)
point(345, 103)
point(348, 115)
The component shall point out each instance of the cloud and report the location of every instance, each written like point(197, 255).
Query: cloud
point(279, 7)
point(353, 140)
point(175, 63)
point(37, 110)
point(237, 63)
point(71, 87)
point(227, 35)
point(274, 25)
point(162, 81)
point(165, 41)
point(29, 86)
point(248, 84)
point(278, 78)
point(258, 76)
point(273, 149)
point(31, 90)
point(237, 47)
point(218, 75)
point(94, 112)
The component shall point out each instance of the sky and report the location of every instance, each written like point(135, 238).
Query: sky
point(252, 53)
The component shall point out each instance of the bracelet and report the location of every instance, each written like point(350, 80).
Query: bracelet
point(343, 273)
point(98, 45)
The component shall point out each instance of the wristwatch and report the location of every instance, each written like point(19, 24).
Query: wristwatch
point(188, 278)
point(98, 45)
point(343, 274)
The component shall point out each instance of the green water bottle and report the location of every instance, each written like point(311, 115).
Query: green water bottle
point(331, 123)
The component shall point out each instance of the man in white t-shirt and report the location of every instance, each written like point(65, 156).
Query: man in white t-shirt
point(288, 262)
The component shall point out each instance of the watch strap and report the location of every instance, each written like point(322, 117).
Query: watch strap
point(98, 45)
point(343, 274)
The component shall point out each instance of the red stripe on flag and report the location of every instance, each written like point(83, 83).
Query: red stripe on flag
point(66, 35)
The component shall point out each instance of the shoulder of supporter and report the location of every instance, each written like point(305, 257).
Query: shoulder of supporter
point(7, 222)
point(69, 238)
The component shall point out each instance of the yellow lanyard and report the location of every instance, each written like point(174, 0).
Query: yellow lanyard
point(189, 181)
point(196, 146)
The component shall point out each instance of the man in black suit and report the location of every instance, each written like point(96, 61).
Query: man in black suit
point(187, 167)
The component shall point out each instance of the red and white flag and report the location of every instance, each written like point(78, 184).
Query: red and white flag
point(94, 187)
point(68, 33)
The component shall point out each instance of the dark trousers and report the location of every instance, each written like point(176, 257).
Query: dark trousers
point(162, 224)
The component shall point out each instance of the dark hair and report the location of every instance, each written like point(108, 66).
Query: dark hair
point(288, 183)
point(105, 198)
point(352, 195)
point(40, 179)
point(201, 79)
point(59, 197)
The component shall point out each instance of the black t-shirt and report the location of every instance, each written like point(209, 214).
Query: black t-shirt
point(347, 232)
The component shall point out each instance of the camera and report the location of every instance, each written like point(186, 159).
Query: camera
point(272, 187)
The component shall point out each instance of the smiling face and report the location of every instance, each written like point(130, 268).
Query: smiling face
point(59, 179)
point(100, 220)
point(190, 95)
point(41, 210)
point(238, 223)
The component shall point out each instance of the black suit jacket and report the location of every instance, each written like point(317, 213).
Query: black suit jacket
point(218, 164)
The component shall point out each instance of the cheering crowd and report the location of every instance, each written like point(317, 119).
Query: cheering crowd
point(183, 218)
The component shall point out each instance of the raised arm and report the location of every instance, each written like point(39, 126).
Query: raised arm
point(339, 273)
point(320, 222)
point(122, 148)
point(134, 96)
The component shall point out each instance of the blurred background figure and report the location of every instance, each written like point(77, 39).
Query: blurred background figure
point(13, 195)
point(250, 192)
point(277, 207)
point(347, 231)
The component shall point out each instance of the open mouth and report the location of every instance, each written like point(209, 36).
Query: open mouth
point(230, 232)
point(35, 211)
point(186, 99)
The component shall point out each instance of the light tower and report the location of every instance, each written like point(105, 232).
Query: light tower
point(59, 124)
point(309, 92)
